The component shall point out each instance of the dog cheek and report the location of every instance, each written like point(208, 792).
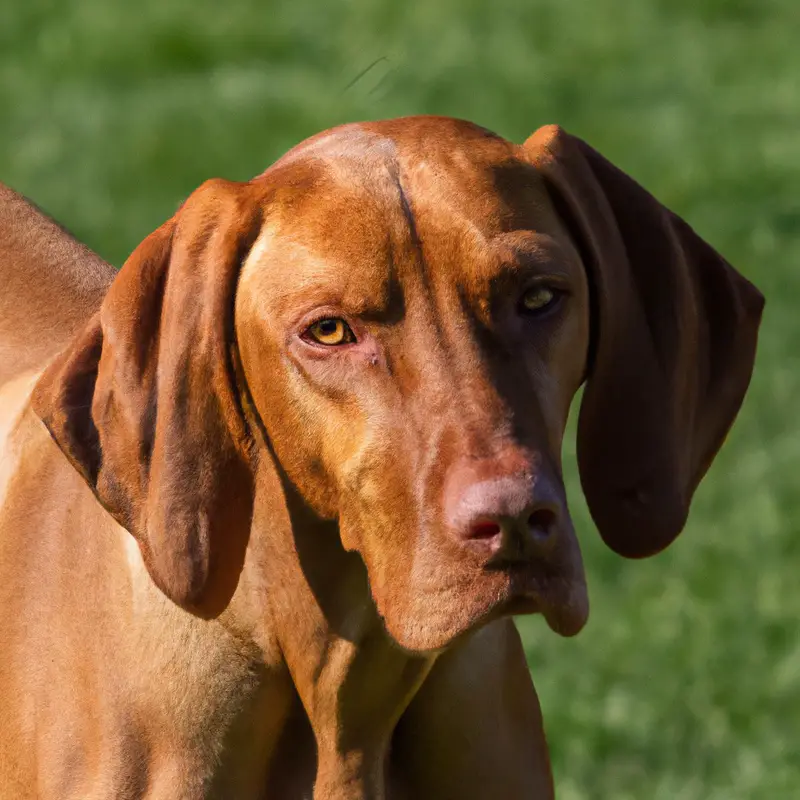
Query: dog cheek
point(367, 467)
point(377, 519)
point(366, 515)
point(296, 440)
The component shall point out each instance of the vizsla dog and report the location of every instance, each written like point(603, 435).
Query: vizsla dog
point(271, 494)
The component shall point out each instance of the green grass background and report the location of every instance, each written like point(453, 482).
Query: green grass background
point(686, 683)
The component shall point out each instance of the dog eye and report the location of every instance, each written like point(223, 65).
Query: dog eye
point(331, 332)
point(538, 299)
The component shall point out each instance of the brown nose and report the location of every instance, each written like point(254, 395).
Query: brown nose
point(510, 519)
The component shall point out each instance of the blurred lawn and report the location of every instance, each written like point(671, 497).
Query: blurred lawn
point(686, 683)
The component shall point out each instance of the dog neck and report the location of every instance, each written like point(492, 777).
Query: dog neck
point(353, 680)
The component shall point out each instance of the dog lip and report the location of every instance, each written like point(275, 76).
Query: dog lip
point(534, 587)
point(567, 619)
point(510, 564)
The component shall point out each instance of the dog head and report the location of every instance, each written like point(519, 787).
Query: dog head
point(407, 309)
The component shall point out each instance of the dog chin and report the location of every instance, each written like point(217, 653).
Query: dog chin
point(438, 622)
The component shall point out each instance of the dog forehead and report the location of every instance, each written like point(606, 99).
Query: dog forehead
point(428, 137)
point(368, 201)
point(430, 164)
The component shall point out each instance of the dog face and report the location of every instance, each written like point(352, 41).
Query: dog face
point(413, 325)
point(410, 307)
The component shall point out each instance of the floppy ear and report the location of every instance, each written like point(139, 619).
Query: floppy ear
point(674, 340)
point(144, 402)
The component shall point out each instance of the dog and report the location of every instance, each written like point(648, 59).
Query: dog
point(271, 494)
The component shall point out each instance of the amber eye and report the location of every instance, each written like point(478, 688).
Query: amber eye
point(538, 298)
point(330, 332)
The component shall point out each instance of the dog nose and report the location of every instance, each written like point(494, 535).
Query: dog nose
point(512, 520)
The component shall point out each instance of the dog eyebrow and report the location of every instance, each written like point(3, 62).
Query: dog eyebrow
point(526, 252)
point(378, 306)
point(368, 294)
point(528, 245)
point(308, 279)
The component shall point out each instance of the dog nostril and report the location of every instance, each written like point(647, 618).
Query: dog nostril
point(484, 530)
point(541, 523)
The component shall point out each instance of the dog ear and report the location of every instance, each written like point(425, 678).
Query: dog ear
point(673, 346)
point(144, 402)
